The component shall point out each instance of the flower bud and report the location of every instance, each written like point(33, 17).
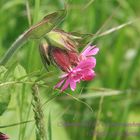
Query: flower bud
point(3, 136)
point(64, 59)
point(61, 48)
point(44, 49)
point(62, 40)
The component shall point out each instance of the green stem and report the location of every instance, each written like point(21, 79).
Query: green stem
point(98, 118)
point(36, 31)
point(15, 124)
point(19, 42)
point(31, 51)
point(16, 45)
point(36, 11)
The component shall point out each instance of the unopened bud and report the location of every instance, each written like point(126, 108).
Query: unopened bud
point(43, 49)
point(3, 136)
point(64, 59)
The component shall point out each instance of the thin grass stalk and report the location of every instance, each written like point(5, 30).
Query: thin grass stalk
point(29, 109)
point(21, 110)
point(31, 51)
point(98, 118)
point(125, 84)
point(15, 124)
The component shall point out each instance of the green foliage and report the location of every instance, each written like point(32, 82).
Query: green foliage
point(46, 25)
point(3, 70)
point(49, 127)
point(105, 104)
point(5, 95)
point(19, 71)
point(5, 92)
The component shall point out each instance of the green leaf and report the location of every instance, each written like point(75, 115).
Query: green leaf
point(46, 25)
point(3, 70)
point(35, 32)
point(4, 99)
point(19, 71)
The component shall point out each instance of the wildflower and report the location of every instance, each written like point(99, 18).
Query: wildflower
point(66, 48)
point(3, 136)
point(89, 51)
point(76, 67)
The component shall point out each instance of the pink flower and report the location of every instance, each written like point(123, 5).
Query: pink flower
point(3, 136)
point(89, 52)
point(83, 70)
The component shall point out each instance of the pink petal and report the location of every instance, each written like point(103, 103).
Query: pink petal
point(59, 84)
point(72, 85)
point(76, 75)
point(65, 86)
point(89, 51)
point(89, 63)
point(93, 52)
point(88, 74)
point(82, 70)
point(64, 75)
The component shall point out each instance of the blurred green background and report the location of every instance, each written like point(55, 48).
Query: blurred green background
point(104, 109)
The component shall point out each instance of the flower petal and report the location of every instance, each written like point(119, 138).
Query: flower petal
point(81, 69)
point(72, 84)
point(76, 75)
point(89, 63)
point(65, 86)
point(89, 51)
point(93, 52)
point(63, 75)
point(59, 84)
point(88, 74)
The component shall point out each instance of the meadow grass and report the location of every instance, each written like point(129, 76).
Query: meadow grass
point(103, 109)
